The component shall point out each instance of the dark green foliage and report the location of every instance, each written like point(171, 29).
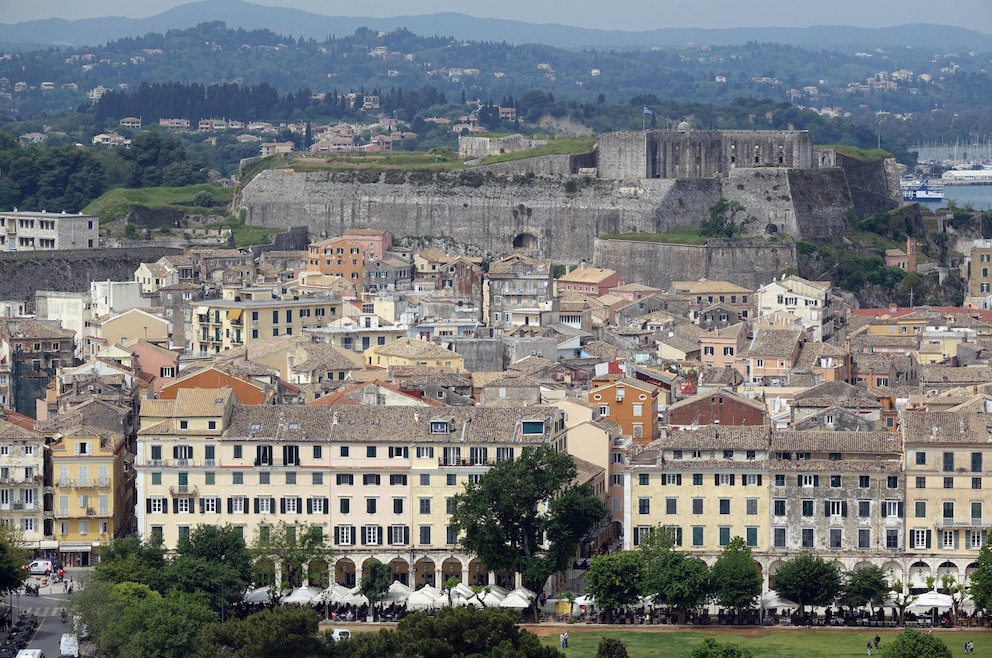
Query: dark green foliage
point(471, 178)
point(284, 632)
point(203, 199)
point(728, 219)
point(131, 231)
point(913, 644)
point(615, 579)
point(981, 579)
point(808, 579)
point(864, 585)
point(710, 648)
point(736, 579)
point(376, 578)
point(611, 647)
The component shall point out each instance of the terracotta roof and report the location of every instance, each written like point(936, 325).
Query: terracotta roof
point(413, 348)
point(936, 374)
point(946, 427)
point(587, 275)
point(201, 402)
point(718, 437)
point(774, 343)
point(14, 431)
point(825, 441)
point(811, 351)
point(23, 329)
point(704, 397)
point(842, 466)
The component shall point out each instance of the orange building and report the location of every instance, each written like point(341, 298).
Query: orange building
point(247, 391)
point(338, 256)
point(630, 403)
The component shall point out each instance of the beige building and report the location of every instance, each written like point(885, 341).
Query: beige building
point(412, 352)
point(22, 470)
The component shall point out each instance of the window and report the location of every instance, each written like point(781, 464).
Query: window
point(697, 506)
point(728, 454)
point(834, 481)
point(809, 480)
point(370, 452)
point(671, 506)
point(237, 478)
point(156, 479)
point(920, 509)
point(807, 538)
point(425, 452)
point(208, 478)
point(724, 506)
point(751, 535)
point(372, 535)
point(947, 538)
point(892, 482)
point(836, 537)
point(371, 478)
point(317, 478)
point(807, 508)
point(697, 535)
point(892, 539)
point(948, 483)
point(672, 479)
point(976, 510)
point(399, 534)
point(450, 536)
point(238, 452)
point(725, 479)
point(425, 505)
point(345, 451)
point(263, 478)
point(604, 410)
point(864, 509)
point(397, 479)
point(864, 481)
point(345, 479)
point(778, 537)
point(397, 505)
point(947, 464)
point(921, 458)
point(976, 539)
point(643, 479)
point(451, 480)
point(778, 507)
point(425, 479)
point(921, 482)
point(643, 505)
point(697, 479)
point(835, 508)
point(779, 479)
point(892, 508)
point(425, 535)
point(947, 509)
point(751, 506)
point(370, 505)
point(976, 483)
point(724, 532)
point(291, 477)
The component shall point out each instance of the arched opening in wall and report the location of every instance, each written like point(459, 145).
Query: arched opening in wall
point(400, 570)
point(265, 572)
point(318, 573)
point(526, 241)
point(771, 228)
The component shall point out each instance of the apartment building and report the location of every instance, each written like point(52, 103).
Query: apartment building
point(48, 231)
point(630, 403)
point(378, 481)
point(520, 289)
point(22, 469)
point(808, 300)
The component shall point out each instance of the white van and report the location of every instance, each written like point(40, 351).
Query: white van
point(69, 645)
point(340, 634)
point(30, 653)
point(39, 567)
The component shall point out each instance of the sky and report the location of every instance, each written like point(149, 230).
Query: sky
point(615, 14)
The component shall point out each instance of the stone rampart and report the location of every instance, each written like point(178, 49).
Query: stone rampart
point(747, 263)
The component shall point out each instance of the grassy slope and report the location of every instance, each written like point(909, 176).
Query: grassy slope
point(118, 202)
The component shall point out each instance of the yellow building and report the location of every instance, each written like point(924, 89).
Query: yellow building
point(92, 503)
point(413, 352)
point(223, 324)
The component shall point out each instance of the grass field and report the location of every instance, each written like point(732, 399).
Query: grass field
point(118, 202)
point(771, 643)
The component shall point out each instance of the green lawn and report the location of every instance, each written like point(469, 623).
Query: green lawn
point(118, 202)
point(778, 643)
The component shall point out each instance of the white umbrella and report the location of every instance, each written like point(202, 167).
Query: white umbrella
point(355, 597)
point(516, 600)
point(261, 595)
point(397, 593)
point(425, 597)
point(334, 594)
point(302, 595)
point(931, 599)
point(492, 597)
point(772, 599)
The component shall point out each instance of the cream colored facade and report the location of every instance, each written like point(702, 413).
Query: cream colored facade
point(376, 480)
point(22, 468)
point(413, 352)
point(128, 327)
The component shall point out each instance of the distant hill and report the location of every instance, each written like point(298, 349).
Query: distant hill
point(295, 22)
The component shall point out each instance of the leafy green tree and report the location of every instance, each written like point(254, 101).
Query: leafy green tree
point(488, 633)
point(611, 647)
point(129, 559)
point(376, 578)
point(293, 545)
point(863, 586)
point(13, 556)
point(727, 219)
point(710, 648)
point(736, 579)
point(808, 579)
point(913, 644)
point(615, 579)
point(283, 632)
point(527, 516)
point(682, 581)
point(981, 578)
point(957, 591)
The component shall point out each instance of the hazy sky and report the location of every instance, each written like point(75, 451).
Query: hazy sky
point(611, 14)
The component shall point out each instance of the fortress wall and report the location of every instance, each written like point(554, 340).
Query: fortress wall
point(821, 199)
point(622, 155)
point(749, 264)
point(765, 194)
point(870, 185)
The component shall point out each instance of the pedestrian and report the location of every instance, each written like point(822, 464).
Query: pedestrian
point(877, 640)
point(971, 647)
point(566, 639)
point(65, 587)
point(869, 647)
point(561, 640)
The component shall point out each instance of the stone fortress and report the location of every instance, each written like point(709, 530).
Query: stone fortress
point(557, 206)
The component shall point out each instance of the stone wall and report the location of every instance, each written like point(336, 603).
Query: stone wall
point(470, 147)
point(23, 273)
point(747, 263)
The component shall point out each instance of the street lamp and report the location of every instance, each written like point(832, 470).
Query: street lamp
point(223, 575)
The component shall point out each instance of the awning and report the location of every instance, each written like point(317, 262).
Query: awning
point(48, 544)
point(234, 314)
point(202, 310)
point(75, 547)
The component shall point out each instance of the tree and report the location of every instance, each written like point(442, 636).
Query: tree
point(488, 633)
point(981, 578)
point(957, 591)
point(293, 545)
point(736, 579)
point(527, 516)
point(710, 648)
point(913, 644)
point(680, 580)
point(615, 579)
point(727, 219)
point(13, 556)
point(863, 586)
point(130, 560)
point(808, 579)
point(283, 632)
point(611, 647)
point(376, 578)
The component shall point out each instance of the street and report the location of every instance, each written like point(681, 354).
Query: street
point(47, 607)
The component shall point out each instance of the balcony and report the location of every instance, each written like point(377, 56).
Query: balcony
point(183, 490)
point(964, 523)
point(90, 511)
point(463, 462)
point(84, 483)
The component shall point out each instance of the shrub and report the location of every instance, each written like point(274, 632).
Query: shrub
point(611, 647)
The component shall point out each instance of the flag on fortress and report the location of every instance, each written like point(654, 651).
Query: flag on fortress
point(648, 110)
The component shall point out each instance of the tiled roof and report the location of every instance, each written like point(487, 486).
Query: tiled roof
point(774, 343)
point(635, 287)
point(842, 466)
point(937, 374)
point(12, 431)
point(401, 425)
point(811, 351)
point(835, 390)
point(945, 427)
point(437, 377)
point(825, 441)
point(413, 348)
point(706, 287)
point(417, 370)
point(704, 397)
point(718, 437)
point(603, 380)
point(604, 350)
point(201, 402)
point(26, 329)
point(587, 275)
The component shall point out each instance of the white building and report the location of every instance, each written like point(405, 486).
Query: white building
point(37, 231)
